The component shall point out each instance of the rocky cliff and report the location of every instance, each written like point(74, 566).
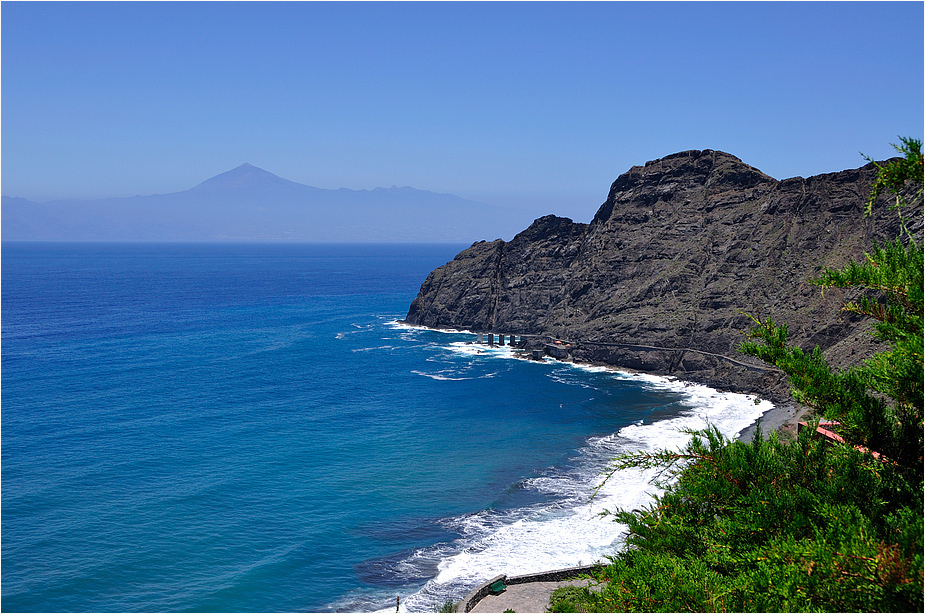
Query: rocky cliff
point(662, 279)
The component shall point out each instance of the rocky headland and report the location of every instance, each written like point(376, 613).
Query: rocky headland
point(665, 276)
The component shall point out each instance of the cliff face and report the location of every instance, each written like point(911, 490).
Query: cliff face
point(663, 276)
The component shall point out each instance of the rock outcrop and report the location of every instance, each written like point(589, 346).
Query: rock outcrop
point(666, 275)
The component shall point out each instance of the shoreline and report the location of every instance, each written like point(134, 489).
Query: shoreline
point(782, 417)
point(504, 549)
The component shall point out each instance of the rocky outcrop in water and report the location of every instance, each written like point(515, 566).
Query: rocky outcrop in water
point(664, 277)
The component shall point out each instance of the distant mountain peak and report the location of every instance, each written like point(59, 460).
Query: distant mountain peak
point(248, 203)
point(245, 176)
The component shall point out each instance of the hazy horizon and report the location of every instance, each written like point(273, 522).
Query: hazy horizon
point(251, 204)
point(535, 106)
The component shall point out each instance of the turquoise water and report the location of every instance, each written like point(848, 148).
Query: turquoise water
point(250, 428)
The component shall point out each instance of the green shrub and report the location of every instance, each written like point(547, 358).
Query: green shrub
point(803, 525)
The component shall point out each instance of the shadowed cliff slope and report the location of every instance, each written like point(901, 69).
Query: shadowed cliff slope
point(681, 248)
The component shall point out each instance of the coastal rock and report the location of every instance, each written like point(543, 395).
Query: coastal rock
point(665, 277)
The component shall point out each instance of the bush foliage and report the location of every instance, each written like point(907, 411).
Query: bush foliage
point(767, 526)
point(803, 525)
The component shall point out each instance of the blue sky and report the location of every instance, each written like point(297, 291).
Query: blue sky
point(534, 105)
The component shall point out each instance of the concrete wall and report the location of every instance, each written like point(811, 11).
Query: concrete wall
point(556, 575)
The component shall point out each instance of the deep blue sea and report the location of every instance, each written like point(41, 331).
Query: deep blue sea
point(251, 428)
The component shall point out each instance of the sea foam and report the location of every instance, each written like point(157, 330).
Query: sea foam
point(568, 529)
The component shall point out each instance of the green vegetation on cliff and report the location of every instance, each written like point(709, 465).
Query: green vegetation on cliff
point(804, 525)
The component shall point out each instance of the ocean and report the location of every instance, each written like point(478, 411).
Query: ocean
point(251, 428)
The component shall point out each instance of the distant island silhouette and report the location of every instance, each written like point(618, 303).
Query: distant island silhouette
point(248, 203)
